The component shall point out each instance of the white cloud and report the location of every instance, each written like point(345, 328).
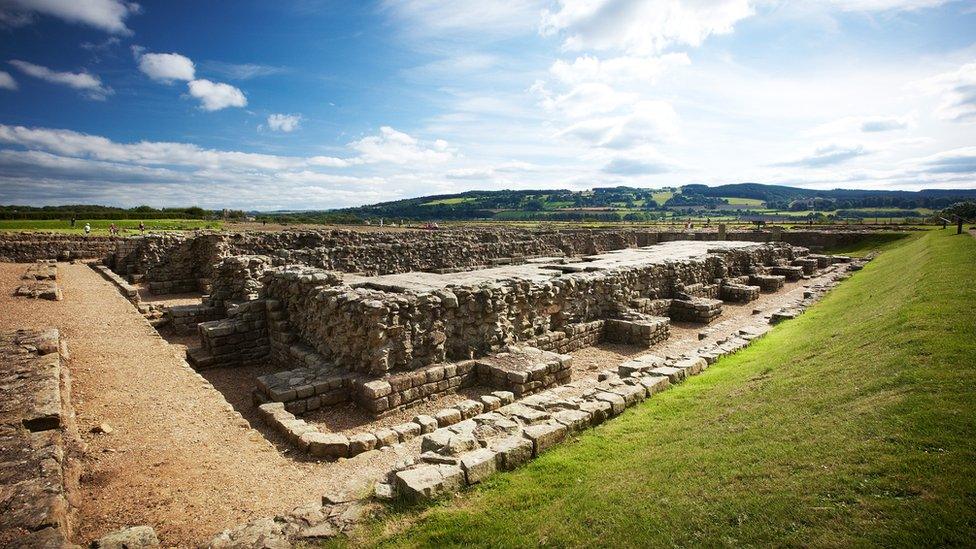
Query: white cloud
point(864, 124)
point(284, 122)
point(958, 92)
point(107, 15)
point(885, 5)
point(166, 67)
point(399, 148)
point(617, 69)
point(955, 161)
point(215, 96)
point(83, 81)
point(640, 26)
point(389, 146)
point(439, 18)
point(646, 122)
point(827, 155)
point(84, 167)
point(242, 71)
point(7, 82)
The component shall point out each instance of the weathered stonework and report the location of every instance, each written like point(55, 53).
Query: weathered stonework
point(34, 432)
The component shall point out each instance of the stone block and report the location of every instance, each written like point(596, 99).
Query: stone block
point(512, 452)
point(328, 445)
point(448, 416)
point(427, 482)
point(478, 465)
point(544, 436)
point(361, 442)
point(427, 423)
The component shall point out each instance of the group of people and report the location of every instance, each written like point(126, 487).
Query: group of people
point(113, 229)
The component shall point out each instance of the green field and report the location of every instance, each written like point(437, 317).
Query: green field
point(100, 226)
point(854, 424)
point(662, 196)
point(443, 201)
point(746, 201)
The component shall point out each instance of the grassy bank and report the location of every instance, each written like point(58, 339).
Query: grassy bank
point(853, 424)
point(100, 226)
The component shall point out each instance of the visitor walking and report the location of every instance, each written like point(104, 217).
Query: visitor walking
point(72, 222)
point(87, 229)
point(142, 227)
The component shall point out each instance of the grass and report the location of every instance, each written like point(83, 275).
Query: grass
point(100, 226)
point(449, 201)
point(854, 424)
point(746, 201)
point(867, 244)
point(662, 196)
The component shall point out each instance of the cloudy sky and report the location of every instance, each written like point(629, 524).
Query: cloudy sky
point(320, 104)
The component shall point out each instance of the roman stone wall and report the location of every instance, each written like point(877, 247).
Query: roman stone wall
point(185, 262)
point(374, 331)
point(27, 247)
point(36, 432)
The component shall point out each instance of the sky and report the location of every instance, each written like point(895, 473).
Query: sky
point(318, 104)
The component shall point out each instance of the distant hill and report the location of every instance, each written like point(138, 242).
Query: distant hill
point(739, 200)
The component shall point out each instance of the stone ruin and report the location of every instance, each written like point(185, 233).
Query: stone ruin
point(385, 322)
point(40, 281)
point(389, 321)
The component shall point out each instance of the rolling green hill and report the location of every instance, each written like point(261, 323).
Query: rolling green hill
point(746, 201)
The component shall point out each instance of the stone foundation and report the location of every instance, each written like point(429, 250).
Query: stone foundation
point(35, 431)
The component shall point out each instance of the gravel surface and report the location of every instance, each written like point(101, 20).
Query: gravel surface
point(179, 458)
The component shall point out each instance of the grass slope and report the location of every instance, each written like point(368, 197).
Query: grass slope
point(100, 226)
point(853, 424)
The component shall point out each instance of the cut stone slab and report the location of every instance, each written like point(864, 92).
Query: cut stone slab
point(328, 445)
point(693, 366)
point(427, 423)
point(528, 415)
point(426, 482)
point(655, 384)
point(135, 537)
point(386, 437)
point(478, 465)
point(361, 442)
point(616, 402)
point(448, 416)
point(674, 375)
point(599, 411)
point(545, 436)
point(512, 452)
point(574, 420)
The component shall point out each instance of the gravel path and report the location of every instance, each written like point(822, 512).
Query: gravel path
point(179, 458)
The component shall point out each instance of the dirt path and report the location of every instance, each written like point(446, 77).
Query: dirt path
point(179, 458)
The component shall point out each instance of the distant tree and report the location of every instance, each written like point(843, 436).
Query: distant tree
point(965, 210)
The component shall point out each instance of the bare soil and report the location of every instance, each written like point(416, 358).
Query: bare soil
point(179, 459)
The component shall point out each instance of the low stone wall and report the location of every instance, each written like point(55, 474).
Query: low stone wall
point(638, 329)
point(27, 247)
point(41, 282)
point(181, 262)
point(184, 319)
point(36, 429)
point(241, 338)
point(570, 338)
point(375, 331)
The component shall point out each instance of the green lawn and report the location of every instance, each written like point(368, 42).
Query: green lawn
point(854, 424)
point(100, 226)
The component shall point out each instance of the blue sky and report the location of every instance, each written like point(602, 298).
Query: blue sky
point(322, 104)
